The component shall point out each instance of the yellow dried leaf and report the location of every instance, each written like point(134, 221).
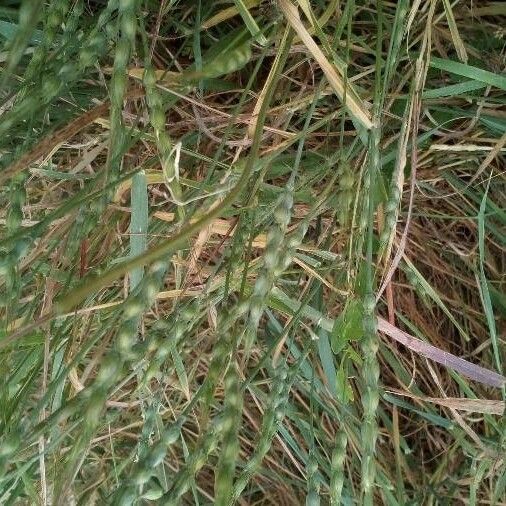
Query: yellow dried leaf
point(354, 105)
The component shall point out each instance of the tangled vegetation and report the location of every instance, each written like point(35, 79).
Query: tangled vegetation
point(252, 252)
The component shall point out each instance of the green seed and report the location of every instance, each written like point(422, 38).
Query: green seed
point(124, 340)
point(391, 206)
point(312, 498)
point(282, 215)
point(261, 285)
point(171, 435)
point(129, 28)
point(133, 308)
point(337, 471)
point(347, 180)
point(126, 497)
point(51, 86)
point(312, 467)
point(157, 455)
point(153, 493)
point(94, 407)
point(109, 369)
point(141, 477)
point(157, 117)
point(126, 5)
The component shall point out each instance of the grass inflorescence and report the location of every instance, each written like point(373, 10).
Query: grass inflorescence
point(252, 252)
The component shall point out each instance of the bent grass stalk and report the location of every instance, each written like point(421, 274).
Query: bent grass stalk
point(92, 284)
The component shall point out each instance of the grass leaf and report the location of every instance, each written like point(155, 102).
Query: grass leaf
point(470, 72)
point(138, 224)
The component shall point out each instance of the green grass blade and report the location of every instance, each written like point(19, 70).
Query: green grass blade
point(454, 89)
point(483, 284)
point(138, 224)
point(469, 71)
point(250, 22)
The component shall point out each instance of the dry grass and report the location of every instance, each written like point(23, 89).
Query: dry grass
point(96, 372)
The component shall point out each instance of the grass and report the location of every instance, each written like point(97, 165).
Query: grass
point(252, 252)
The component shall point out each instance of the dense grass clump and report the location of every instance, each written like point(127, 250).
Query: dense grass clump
point(252, 252)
